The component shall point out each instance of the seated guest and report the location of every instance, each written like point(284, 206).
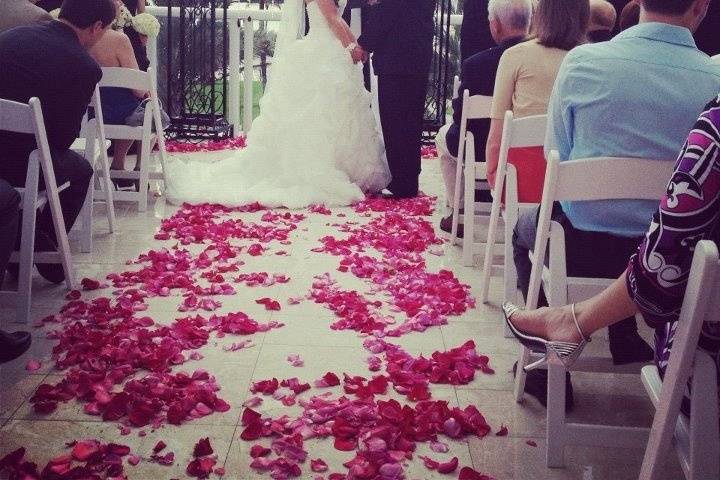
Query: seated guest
point(12, 345)
point(15, 13)
point(50, 61)
point(527, 71)
point(707, 35)
point(114, 49)
point(602, 21)
point(630, 15)
point(652, 81)
point(475, 34)
point(684, 217)
point(509, 24)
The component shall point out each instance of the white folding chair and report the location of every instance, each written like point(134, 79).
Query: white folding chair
point(28, 119)
point(136, 80)
point(696, 439)
point(517, 133)
point(603, 178)
point(93, 130)
point(474, 107)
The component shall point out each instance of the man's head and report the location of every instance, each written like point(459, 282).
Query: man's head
point(89, 18)
point(509, 18)
point(602, 15)
point(684, 13)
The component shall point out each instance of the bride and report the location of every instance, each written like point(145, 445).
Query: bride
point(316, 138)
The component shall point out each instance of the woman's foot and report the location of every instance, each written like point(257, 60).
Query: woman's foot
point(553, 324)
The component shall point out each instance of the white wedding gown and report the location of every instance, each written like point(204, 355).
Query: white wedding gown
point(315, 140)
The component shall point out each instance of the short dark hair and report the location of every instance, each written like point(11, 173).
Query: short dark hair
point(668, 7)
point(85, 13)
point(562, 24)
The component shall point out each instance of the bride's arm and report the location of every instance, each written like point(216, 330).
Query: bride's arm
point(337, 24)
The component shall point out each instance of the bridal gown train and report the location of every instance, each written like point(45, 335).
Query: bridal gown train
point(315, 140)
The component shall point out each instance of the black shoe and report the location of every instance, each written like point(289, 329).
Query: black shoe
point(446, 226)
point(52, 272)
point(12, 345)
point(126, 184)
point(630, 348)
point(536, 385)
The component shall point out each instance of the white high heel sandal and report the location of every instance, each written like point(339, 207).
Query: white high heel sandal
point(567, 352)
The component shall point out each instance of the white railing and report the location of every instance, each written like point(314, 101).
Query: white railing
point(241, 23)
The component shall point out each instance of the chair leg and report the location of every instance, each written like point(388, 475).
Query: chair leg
point(704, 436)
point(27, 244)
point(86, 215)
point(469, 215)
point(520, 375)
point(456, 203)
point(489, 250)
point(60, 232)
point(509, 271)
point(105, 182)
point(555, 436)
point(144, 160)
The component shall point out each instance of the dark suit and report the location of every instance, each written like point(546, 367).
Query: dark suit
point(48, 62)
point(478, 76)
point(475, 30)
point(707, 35)
point(400, 33)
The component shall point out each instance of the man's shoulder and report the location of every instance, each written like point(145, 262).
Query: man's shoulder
point(480, 60)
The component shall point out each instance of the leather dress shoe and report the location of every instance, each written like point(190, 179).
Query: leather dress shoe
point(446, 226)
point(12, 345)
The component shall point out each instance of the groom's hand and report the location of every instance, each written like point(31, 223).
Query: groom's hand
point(359, 55)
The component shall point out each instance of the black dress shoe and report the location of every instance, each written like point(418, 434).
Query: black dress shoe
point(536, 386)
point(52, 272)
point(630, 348)
point(12, 345)
point(446, 226)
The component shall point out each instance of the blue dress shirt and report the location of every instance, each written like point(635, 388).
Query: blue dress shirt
point(637, 95)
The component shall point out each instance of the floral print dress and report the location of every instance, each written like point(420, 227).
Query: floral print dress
point(689, 212)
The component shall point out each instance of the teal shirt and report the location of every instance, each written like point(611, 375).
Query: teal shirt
point(637, 95)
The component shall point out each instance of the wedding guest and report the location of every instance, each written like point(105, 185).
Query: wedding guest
point(138, 42)
point(527, 71)
point(509, 25)
point(629, 16)
point(685, 216)
point(652, 81)
point(15, 13)
point(12, 345)
point(707, 35)
point(602, 21)
point(50, 61)
point(114, 49)
point(475, 33)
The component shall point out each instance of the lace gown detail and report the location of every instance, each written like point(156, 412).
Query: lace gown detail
point(315, 141)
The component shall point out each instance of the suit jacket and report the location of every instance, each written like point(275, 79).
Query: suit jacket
point(15, 13)
point(707, 35)
point(400, 34)
point(478, 76)
point(475, 30)
point(48, 62)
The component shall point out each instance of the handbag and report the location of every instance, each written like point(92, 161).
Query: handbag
point(137, 117)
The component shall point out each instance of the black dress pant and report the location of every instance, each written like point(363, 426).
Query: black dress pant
point(588, 254)
point(402, 109)
point(69, 167)
point(9, 220)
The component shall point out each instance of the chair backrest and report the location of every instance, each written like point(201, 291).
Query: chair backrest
point(518, 133)
point(26, 118)
point(603, 178)
point(699, 306)
point(474, 107)
point(456, 87)
point(126, 78)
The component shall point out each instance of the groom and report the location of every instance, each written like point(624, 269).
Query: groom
point(399, 33)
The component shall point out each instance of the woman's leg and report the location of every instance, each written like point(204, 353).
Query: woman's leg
point(607, 308)
point(120, 149)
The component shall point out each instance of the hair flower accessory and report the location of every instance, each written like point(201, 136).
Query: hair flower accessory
point(146, 24)
point(123, 19)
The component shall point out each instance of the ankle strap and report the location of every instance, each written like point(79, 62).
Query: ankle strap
point(577, 325)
